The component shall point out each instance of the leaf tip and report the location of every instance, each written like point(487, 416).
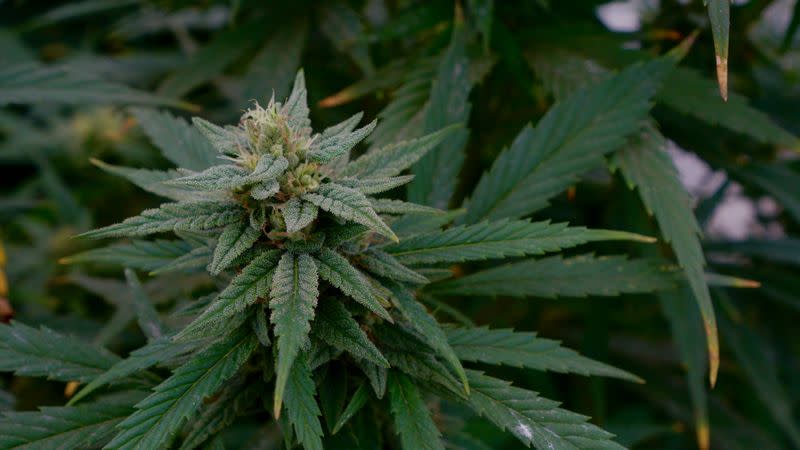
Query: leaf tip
point(703, 436)
point(722, 76)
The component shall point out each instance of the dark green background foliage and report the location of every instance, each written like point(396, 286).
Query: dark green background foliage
point(529, 114)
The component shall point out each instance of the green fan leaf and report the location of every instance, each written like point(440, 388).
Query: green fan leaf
point(298, 214)
point(336, 270)
point(687, 92)
point(301, 405)
point(412, 419)
point(30, 352)
point(521, 349)
point(85, 426)
point(688, 334)
point(146, 313)
point(153, 353)
point(399, 207)
point(230, 176)
point(178, 141)
point(569, 140)
point(349, 204)
point(151, 180)
point(215, 417)
point(160, 416)
point(335, 326)
point(329, 148)
point(436, 173)
point(296, 106)
point(500, 239)
point(293, 297)
point(385, 265)
point(235, 239)
point(184, 216)
point(428, 328)
point(645, 165)
point(555, 276)
point(401, 119)
point(254, 282)
point(355, 404)
point(375, 185)
point(34, 83)
point(142, 255)
point(392, 159)
point(532, 419)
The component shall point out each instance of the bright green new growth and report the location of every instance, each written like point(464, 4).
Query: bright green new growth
point(319, 281)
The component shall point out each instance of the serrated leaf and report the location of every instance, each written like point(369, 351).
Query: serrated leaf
point(85, 426)
point(436, 173)
point(375, 185)
point(235, 239)
point(349, 204)
point(230, 176)
point(34, 83)
point(329, 148)
point(296, 106)
point(184, 216)
point(524, 349)
point(555, 276)
point(146, 313)
point(412, 420)
point(375, 374)
point(301, 405)
point(265, 190)
point(254, 282)
point(500, 239)
point(569, 140)
point(428, 328)
point(178, 141)
point(532, 419)
point(138, 254)
point(401, 119)
point(224, 140)
point(215, 417)
point(30, 352)
point(392, 159)
point(645, 165)
point(298, 214)
point(151, 180)
point(688, 92)
point(385, 265)
point(357, 401)
point(160, 416)
point(140, 359)
point(336, 270)
point(195, 260)
point(399, 207)
point(344, 126)
point(293, 298)
point(335, 326)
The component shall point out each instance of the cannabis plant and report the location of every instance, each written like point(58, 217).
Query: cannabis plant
point(323, 287)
